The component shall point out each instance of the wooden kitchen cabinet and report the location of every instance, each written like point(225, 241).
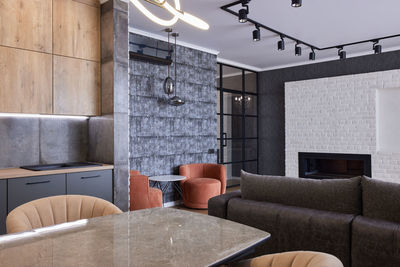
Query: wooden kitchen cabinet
point(22, 190)
point(34, 35)
point(76, 29)
point(3, 206)
point(26, 81)
point(26, 24)
point(76, 86)
point(94, 183)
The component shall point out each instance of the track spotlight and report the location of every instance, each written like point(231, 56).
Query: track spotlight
point(244, 11)
point(341, 53)
point(296, 3)
point(377, 47)
point(281, 44)
point(297, 49)
point(312, 54)
point(243, 15)
point(257, 34)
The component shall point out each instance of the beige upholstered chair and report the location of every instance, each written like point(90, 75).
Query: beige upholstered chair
point(292, 259)
point(55, 210)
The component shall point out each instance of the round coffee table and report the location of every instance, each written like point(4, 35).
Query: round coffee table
point(167, 180)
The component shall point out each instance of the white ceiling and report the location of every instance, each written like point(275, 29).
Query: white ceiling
point(318, 22)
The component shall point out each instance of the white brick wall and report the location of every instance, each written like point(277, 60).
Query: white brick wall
point(338, 115)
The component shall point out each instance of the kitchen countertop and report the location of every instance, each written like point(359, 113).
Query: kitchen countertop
point(19, 173)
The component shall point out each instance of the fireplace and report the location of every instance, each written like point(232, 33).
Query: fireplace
point(333, 166)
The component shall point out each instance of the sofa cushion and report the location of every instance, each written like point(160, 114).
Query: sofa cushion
point(338, 195)
point(218, 206)
point(294, 228)
point(380, 200)
point(375, 243)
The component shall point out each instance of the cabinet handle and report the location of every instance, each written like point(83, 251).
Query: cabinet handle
point(90, 177)
point(42, 182)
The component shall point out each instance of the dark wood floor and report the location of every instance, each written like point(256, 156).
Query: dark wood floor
point(181, 207)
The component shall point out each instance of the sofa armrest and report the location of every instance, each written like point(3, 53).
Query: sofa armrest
point(217, 206)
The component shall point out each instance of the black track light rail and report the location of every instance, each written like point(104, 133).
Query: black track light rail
point(227, 9)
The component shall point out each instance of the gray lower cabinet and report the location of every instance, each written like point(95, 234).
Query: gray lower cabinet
point(22, 190)
point(94, 183)
point(3, 206)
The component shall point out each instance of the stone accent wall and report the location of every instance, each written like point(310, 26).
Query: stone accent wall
point(163, 137)
point(338, 115)
point(42, 140)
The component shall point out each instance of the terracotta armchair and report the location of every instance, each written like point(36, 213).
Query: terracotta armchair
point(203, 181)
point(142, 196)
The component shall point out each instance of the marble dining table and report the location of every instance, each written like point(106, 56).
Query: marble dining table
point(152, 237)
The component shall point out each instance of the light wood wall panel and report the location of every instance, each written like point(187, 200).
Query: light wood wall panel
point(26, 81)
point(95, 3)
point(76, 29)
point(76, 86)
point(26, 24)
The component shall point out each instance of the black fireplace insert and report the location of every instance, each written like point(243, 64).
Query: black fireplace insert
point(333, 165)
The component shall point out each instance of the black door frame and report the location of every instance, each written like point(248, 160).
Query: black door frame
point(243, 115)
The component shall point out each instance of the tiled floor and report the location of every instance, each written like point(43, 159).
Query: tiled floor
point(181, 207)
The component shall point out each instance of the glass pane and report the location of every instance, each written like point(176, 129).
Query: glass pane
point(250, 79)
point(250, 149)
point(250, 166)
point(233, 126)
point(233, 171)
point(232, 78)
point(218, 102)
point(250, 104)
point(218, 126)
point(251, 126)
point(218, 75)
point(232, 103)
point(232, 150)
point(218, 151)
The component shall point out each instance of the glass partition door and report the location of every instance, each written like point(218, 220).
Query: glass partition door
point(237, 121)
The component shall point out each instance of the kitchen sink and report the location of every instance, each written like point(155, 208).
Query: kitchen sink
point(59, 166)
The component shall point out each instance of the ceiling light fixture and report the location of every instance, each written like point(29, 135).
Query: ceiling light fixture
point(377, 47)
point(176, 11)
point(297, 49)
point(281, 44)
point(243, 17)
point(244, 11)
point(257, 34)
point(296, 3)
point(312, 54)
point(175, 100)
point(341, 53)
point(169, 83)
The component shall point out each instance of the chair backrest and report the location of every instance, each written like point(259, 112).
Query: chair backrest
point(55, 210)
point(139, 191)
point(293, 259)
point(205, 170)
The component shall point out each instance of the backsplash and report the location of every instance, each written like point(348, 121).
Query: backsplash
point(42, 140)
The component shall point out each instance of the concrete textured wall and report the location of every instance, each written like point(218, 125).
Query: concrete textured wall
point(339, 115)
point(109, 133)
point(163, 137)
point(271, 130)
point(42, 140)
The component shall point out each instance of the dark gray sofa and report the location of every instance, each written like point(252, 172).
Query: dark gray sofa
point(320, 215)
point(376, 234)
